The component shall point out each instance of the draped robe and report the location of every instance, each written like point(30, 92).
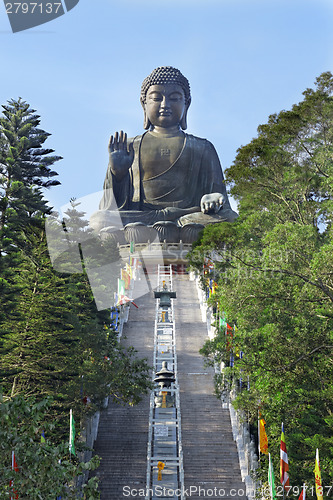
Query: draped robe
point(196, 172)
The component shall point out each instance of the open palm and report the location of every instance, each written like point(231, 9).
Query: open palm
point(120, 158)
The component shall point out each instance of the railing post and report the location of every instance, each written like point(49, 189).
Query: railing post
point(164, 416)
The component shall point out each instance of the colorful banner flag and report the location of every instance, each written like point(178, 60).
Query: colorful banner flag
point(284, 466)
point(208, 264)
point(114, 314)
point(230, 336)
point(224, 325)
point(129, 270)
point(213, 287)
point(71, 434)
point(125, 278)
point(16, 469)
point(124, 300)
point(160, 466)
point(303, 493)
point(121, 287)
point(263, 441)
point(317, 471)
point(271, 478)
point(121, 290)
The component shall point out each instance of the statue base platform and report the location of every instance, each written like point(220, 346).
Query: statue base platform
point(160, 232)
point(141, 226)
point(152, 254)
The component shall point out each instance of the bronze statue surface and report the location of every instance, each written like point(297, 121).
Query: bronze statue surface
point(164, 174)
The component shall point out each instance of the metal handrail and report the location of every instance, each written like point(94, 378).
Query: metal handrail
point(165, 275)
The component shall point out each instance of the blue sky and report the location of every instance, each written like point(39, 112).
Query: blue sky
point(82, 72)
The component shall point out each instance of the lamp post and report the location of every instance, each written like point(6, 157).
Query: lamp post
point(164, 378)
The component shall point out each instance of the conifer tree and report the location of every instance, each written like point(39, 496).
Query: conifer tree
point(25, 168)
point(53, 341)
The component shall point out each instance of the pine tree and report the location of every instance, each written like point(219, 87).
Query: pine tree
point(53, 340)
point(24, 171)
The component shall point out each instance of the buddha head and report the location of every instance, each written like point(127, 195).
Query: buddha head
point(170, 82)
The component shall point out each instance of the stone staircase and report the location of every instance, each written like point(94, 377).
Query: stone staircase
point(211, 462)
point(123, 430)
point(210, 455)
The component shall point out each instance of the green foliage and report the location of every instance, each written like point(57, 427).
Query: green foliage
point(274, 271)
point(24, 170)
point(44, 470)
point(53, 340)
point(61, 345)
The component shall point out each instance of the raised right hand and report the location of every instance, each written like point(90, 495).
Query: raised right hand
point(121, 158)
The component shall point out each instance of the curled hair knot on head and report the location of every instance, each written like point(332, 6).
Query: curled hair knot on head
point(166, 75)
point(161, 76)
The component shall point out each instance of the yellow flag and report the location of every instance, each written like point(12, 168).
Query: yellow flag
point(319, 488)
point(129, 270)
point(122, 274)
point(160, 466)
point(263, 441)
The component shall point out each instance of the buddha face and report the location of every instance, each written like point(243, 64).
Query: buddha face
point(165, 105)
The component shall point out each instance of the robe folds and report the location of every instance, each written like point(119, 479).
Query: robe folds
point(196, 172)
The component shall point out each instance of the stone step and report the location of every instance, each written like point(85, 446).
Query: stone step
point(209, 451)
point(210, 454)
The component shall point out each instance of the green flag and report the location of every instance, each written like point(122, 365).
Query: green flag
point(71, 433)
point(121, 288)
point(42, 437)
point(222, 323)
point(271, 479)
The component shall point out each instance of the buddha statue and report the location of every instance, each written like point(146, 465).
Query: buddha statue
point(164, 177)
